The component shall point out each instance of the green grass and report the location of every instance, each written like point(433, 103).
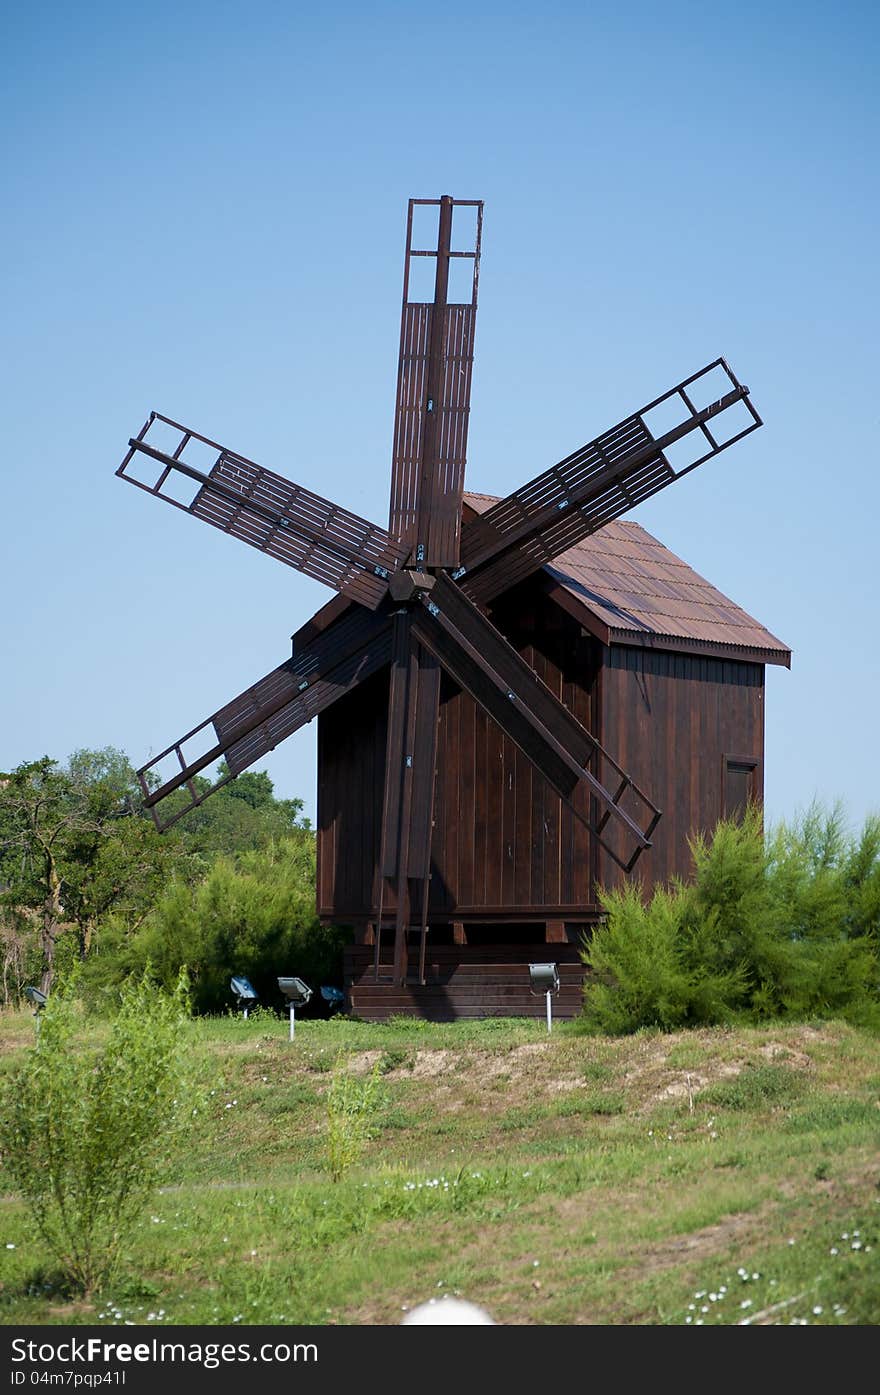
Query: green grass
point(567, 1179)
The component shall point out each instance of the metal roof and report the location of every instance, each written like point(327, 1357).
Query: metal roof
point(627, 588)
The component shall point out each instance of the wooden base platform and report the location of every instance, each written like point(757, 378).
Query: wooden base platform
point(464, 981)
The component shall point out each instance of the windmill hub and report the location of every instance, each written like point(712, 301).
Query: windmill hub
point(409, 584)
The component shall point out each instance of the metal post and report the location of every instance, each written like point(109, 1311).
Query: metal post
point(291, 1021)
point(549, 1016)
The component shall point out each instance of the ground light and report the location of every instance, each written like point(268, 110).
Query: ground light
point(297, 994)
point(38, 998)
point(245, 993)
point(333, 997)
point(544, 978)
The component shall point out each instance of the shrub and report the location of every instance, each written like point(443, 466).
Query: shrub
point(84, 1135)
point(253, 915)
point(756, 1087)
point(782, 926)
point(655, 965)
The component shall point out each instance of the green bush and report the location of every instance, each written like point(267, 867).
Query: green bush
point(84, 1134)
point(778, 926)
point(253, 915)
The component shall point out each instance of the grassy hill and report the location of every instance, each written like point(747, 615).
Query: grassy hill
point(715, 1177)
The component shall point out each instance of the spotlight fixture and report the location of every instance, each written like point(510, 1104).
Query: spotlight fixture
point(333, 997)
point(245, 993)
point(544, 978)
point(297, 994)
point(37, 997)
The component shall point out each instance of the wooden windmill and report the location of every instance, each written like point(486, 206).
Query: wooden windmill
point(416, 596)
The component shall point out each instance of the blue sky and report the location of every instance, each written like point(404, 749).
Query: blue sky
point(204, 215)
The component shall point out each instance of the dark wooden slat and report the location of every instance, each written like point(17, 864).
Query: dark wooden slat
point(424, 765)
point(596, 484)
point(395, 751)
point(407, 813)
point(433, 407)
point(282, 519)
point(284, 700)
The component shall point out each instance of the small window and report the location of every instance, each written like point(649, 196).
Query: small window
point(741, 786)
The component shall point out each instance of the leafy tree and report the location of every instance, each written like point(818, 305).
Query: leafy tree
point(19, 958)
point(243, 815)
point(124, 871)
point(73, 846)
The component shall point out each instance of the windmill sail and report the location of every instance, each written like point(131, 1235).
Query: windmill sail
point(481, 661)
point(433, 398)
point(594, 485)
point(266, 713)
point(272, 514)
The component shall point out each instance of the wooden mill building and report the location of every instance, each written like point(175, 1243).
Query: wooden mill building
point(491, 697)
point(662, 668)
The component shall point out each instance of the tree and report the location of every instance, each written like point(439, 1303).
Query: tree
point(242, 816)
point(74, 845)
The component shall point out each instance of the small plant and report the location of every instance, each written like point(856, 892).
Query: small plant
point(82, 1132)
point(395, 1056)
point(352, 1101)
point(756, 1087)
point(601, 1102)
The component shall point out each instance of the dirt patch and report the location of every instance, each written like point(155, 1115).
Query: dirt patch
point(650, 1076)
point(70, 1310)
point(432, 1063)
point(362, 1062)
point(777, 1051)
point(566, 1083)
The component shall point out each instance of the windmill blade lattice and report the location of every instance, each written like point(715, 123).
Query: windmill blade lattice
point(252, 724)
point(290, 523)
point(595, 485)
point(433, 396)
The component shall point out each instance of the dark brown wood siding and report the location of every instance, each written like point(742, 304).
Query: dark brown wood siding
point(503, 843)
point(466, 981)
point(676, 724)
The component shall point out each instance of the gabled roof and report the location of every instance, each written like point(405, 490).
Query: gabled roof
point(625, 587)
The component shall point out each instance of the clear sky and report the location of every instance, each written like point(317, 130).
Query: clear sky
point(204, 211)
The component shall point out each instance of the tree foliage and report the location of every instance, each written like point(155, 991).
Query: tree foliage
point(252, 915)
point(82, 866)
point(243, 815)
point(73, 847)
point(786, 925)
